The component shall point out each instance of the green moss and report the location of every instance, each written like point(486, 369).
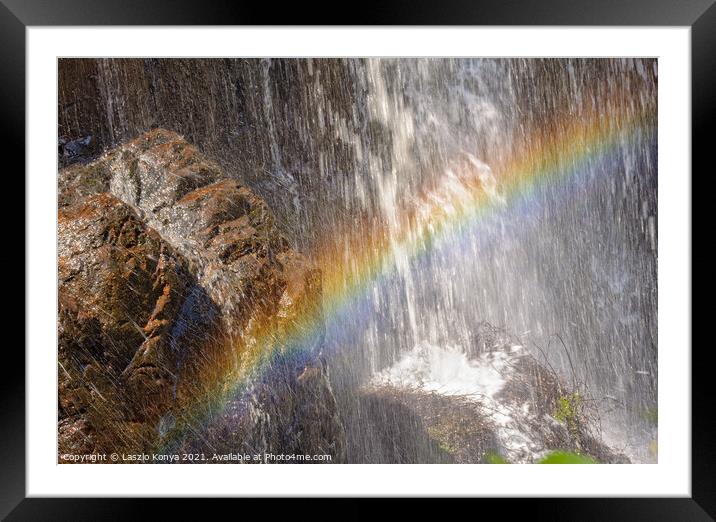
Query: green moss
point(566, 457)
point(567, 410)
point(652, 415)
point(492, 457)
point(654, 448)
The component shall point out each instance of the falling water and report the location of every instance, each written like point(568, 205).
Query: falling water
point(361, 156)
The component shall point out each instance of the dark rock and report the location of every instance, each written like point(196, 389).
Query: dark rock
point(523, 412)
point(121, 290)
point(168, 286)
point(414, 427)
point(78, 181)
point(77, 150)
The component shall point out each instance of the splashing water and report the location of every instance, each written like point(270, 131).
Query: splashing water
point(448, 371)
point(438, 193)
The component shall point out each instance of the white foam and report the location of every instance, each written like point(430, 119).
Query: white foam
point(449, 371)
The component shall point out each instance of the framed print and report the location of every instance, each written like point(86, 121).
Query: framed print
point(437, 256)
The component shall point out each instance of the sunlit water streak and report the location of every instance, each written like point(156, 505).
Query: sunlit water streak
point(454, 215)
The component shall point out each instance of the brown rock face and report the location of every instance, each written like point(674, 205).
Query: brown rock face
point(168, 276)
point(121, 288)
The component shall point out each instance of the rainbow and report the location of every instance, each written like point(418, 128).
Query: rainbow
point(368, 255)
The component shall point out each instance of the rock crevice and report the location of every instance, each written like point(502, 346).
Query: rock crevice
point(171, 277)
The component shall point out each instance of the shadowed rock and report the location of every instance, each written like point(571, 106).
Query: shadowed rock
point(494, 399)
point(120, 301)
point(171, 277)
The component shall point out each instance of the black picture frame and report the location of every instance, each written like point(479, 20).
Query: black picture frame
point(699, 15)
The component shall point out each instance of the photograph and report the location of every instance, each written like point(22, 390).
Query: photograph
point(357, 260)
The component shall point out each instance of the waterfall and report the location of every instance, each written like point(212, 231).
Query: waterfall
point(515, 192)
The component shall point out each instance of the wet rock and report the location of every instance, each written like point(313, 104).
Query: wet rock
point(549, 414)
point(224, 230)
point(76, 150)
point(78, 181)
point(289, 413)
point(492, 399)
point(121, 290)
point(172, 280)
point(412, 426)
